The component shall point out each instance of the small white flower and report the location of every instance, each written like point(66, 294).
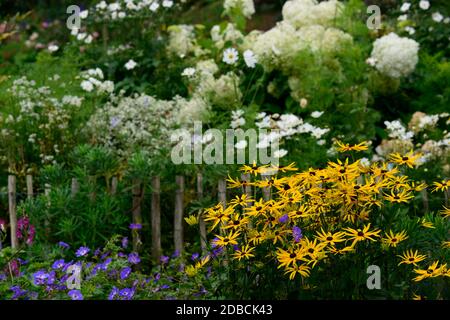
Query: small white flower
point(88, 39)
point(280, 153)
point(84, 14)
point(437, 16)
point(241, 144)
point(81, 36)
point(130, 65)
point(87, 86)
point(167, 3)
point(316, 114)
point(424, 4)
point(371, 61)
point(405, 7)
point(260, 115)
point(410, 30)
point(102, 5)
point(53, 48)
point(447, 20)
point(188, 72)
point(303, 103)
point(321, 142)
point(113, 6)
point(403, 17)
point(154, 6)
point(122, 15)
point(74, 31)
point(230, 56)
point(250, 58)
point(364, 162)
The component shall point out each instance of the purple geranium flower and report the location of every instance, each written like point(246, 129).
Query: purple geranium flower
point(75, 295)
point(126, 294)
point(82, 251)
point(135, 226)
point(176, 254)
point(164, 259)
point(133, 258)
point(63, 245)
point(284, 218)
point(113, 293)
point(104, 265)
point(165, 286)
point(125, 272)
point(124, 242)
point(297, 233)
point(17, 292)
point(58, 264)
point(40, 277)
point(194, 256)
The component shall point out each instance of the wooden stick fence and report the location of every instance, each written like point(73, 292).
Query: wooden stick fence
point(137, 193)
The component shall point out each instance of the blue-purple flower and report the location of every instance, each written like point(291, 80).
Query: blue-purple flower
point(113, 293)
point(135, 226)
point(82, 251)
point(284, 218)
point(164, 259)
point(133, 258)
point(75, 294)
point(195, 256)
point(17, 292)
point(126, 294)
point(124, 242)
point(40, 277)
point(58, 264)
point(125, 272)
point(63, 245)
point(297, 233)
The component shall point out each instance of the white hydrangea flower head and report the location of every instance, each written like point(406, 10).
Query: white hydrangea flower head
point(246, 7)
point(302, 13)
point(181, 40)
point(395, 56)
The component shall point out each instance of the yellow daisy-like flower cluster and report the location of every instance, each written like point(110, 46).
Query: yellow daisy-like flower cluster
point(332, 206)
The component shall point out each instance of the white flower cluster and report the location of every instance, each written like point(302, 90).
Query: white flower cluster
point(126, 123)
point(223, 90)
point(182, 40)
point(403, 141)
point(237, 119)
point(395, 56)
point(190, 110)
point(92, 79)
point(246, 7)
point(301, 13)
point(229, 34)
point(41, 118)
point(278, 46)
point(128, 8)
point(396, 130)
point(285, 126)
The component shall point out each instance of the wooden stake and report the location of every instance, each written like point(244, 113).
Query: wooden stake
point(75, 187)
point(114, 183)
point(29, 186)
point(178, 216)
point(12, 211)
point(426, 206)
point(137, 215)
point(201, 222)
point(222, 193)
point(267, 190)
point(156, 217)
